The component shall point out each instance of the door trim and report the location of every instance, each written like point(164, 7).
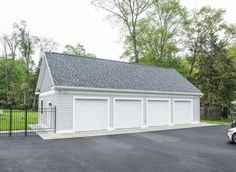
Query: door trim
point(91, 98)
point(184, 100)
point(159, 99)
point(127, 98)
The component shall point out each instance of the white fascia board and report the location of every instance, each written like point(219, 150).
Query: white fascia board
point(51, 92)
point(125, 91)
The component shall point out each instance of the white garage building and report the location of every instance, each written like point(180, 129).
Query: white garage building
point(98, 94)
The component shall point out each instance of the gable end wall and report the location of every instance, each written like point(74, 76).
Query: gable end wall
point(46, 83)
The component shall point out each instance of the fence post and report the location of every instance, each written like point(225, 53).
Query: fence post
point(26, 111)
point(10, 131)
point(55, 120)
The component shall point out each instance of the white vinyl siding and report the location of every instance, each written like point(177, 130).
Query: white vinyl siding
point(128, 113)
point(65, 106)
point(44, 82)
point(53, 99)
point(65, 112)
point(158, 112)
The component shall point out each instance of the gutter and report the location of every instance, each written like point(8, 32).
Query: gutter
point(124, 91)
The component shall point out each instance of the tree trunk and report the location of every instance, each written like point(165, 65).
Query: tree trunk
point(26, 94)
point(225, 112)
point(136, 58)
point(206, 111)
point(193, 62)
point(35, 102)
point(191, 66)
point(162, 46)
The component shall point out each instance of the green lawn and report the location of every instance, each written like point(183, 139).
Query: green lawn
point(18, 120)
point(221, 122)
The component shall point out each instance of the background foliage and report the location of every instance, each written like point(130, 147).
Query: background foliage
point(199, 44)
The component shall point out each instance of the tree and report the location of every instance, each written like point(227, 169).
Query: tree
point(232, 53)
point(26, 46)
point(128, 13)
point(208, 38)
point(46, 44)
point(15, 93)
point(6, 68)
point(161, 32)
point(3, 85)
point(216, 75)
point(18, 75)
point(200, 25)
point(10, 45)
point(168, 21)
point(78, 50)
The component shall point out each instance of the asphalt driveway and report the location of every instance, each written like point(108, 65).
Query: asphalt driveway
point(195, 149)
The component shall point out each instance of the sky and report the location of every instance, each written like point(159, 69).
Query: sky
point(73, 21)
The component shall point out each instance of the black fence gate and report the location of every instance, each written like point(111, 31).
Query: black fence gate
point(26, 121)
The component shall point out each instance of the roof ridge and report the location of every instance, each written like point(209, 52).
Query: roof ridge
point(137, 64)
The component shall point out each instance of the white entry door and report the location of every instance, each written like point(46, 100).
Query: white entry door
point(128, 113)
point(182, 111)
point(91, 114)
point(158, 112)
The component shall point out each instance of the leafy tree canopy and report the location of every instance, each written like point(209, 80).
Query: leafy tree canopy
point(78, 50)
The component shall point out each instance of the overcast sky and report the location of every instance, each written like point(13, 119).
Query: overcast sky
point(72, 21)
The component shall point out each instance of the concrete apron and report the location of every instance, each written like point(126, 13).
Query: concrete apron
point(52, 135)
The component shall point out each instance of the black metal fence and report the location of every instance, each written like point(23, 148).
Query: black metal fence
point(26, 121)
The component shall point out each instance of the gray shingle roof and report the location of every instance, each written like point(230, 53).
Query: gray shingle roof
point(74, 71)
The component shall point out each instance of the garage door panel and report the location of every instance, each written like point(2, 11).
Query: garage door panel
point(182, 112)
point(128, 113)
point(91, 114)
point(158, 112)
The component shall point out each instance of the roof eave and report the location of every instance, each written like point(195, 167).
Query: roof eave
point(125, 91)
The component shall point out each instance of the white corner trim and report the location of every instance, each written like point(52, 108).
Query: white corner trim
point(125, 91)
point(91, 98)
point(159, 99)
point(127, 98)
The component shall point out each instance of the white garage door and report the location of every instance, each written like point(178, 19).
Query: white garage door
point(182, 112)
point(128, 113)
point(158, 112)
point(91, 114)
